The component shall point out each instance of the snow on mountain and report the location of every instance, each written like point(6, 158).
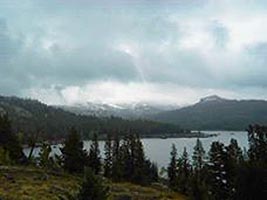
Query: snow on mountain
point(212, 98)
point(133, 110)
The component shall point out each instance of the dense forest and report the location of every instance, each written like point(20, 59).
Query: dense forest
point(31, 117)
point(225, 172)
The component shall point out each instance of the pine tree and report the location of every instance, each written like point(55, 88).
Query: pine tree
point(234, 152)
point(258, 144)
point(126, 160)
point(45, 161)
point(198, 156)
point(116, 159)
point(108, 157)
point(32, 140)
point(172, 168)
point(184, 171)
point(234, 158)
point(4, 157)
point(92, 187)
point(138, 161)
point(73, 155)
point(9, 141)
point(129, 163)
point(252, 174)
point(94, 155)
point(217, 172)
point(150, 172)
point(198, 189)
point(251, 183)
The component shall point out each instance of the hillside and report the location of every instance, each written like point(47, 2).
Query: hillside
point(216, 113)
point(31, 116)
point(126, 111)
point(30, 183)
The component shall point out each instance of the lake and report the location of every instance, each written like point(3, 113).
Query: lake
point(158, 150)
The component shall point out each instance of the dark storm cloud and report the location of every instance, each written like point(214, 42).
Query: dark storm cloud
point(194, 44)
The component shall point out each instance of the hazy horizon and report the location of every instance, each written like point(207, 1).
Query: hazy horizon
point(165, 52)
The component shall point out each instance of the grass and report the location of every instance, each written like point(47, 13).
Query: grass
point(18, 183)
point(34, 184)
point(136, 192)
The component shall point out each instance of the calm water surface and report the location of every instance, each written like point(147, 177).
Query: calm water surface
point(158, 150)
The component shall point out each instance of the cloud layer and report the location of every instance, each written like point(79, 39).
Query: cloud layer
point(64, 52)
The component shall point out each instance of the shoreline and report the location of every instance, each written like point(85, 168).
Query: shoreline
point(156, 136)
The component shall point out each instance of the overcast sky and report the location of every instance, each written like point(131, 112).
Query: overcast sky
point(117, 51)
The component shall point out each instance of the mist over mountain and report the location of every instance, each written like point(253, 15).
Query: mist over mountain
point(209, 113)
point(216, 113)
point(127, 111)
point(34, 117)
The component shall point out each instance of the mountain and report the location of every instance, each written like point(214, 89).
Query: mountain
point(31, 116)
point(127, 111)
point(216, 113)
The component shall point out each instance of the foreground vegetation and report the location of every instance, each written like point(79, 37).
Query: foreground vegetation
point(27, 183)
point(31, 183)
point(226, 172)
point(77, 174)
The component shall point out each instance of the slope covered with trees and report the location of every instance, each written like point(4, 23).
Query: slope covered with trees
point(215, 113)
point(33, 117)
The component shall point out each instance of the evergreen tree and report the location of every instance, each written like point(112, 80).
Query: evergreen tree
point(45, 161)
point(172, 168)
point(32, 140)
point(198, 189)
point(72, 153)
point(9, 141)
point(4, 157)
point(129, 163)
point(138, 157)
point(151, 171)
point(198, 156)
point(234, 152)
point(217, 172)
point(94, 155)
point(234, 158)
point(116, 159)
point(183, 173)
point(252, 175)
point(92, 187)
point(251, 183)
point(126, 160)
point(257, 137)
point(108, 157)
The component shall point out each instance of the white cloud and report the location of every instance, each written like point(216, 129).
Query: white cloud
point(133, 51)
point(121, 93)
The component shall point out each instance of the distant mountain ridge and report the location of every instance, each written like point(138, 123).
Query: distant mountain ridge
point(216, 113)
point(31, 116)
point(210, 113)
point(126, 111)
point(212, 98)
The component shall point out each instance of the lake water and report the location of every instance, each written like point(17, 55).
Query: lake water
point(158, 150)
